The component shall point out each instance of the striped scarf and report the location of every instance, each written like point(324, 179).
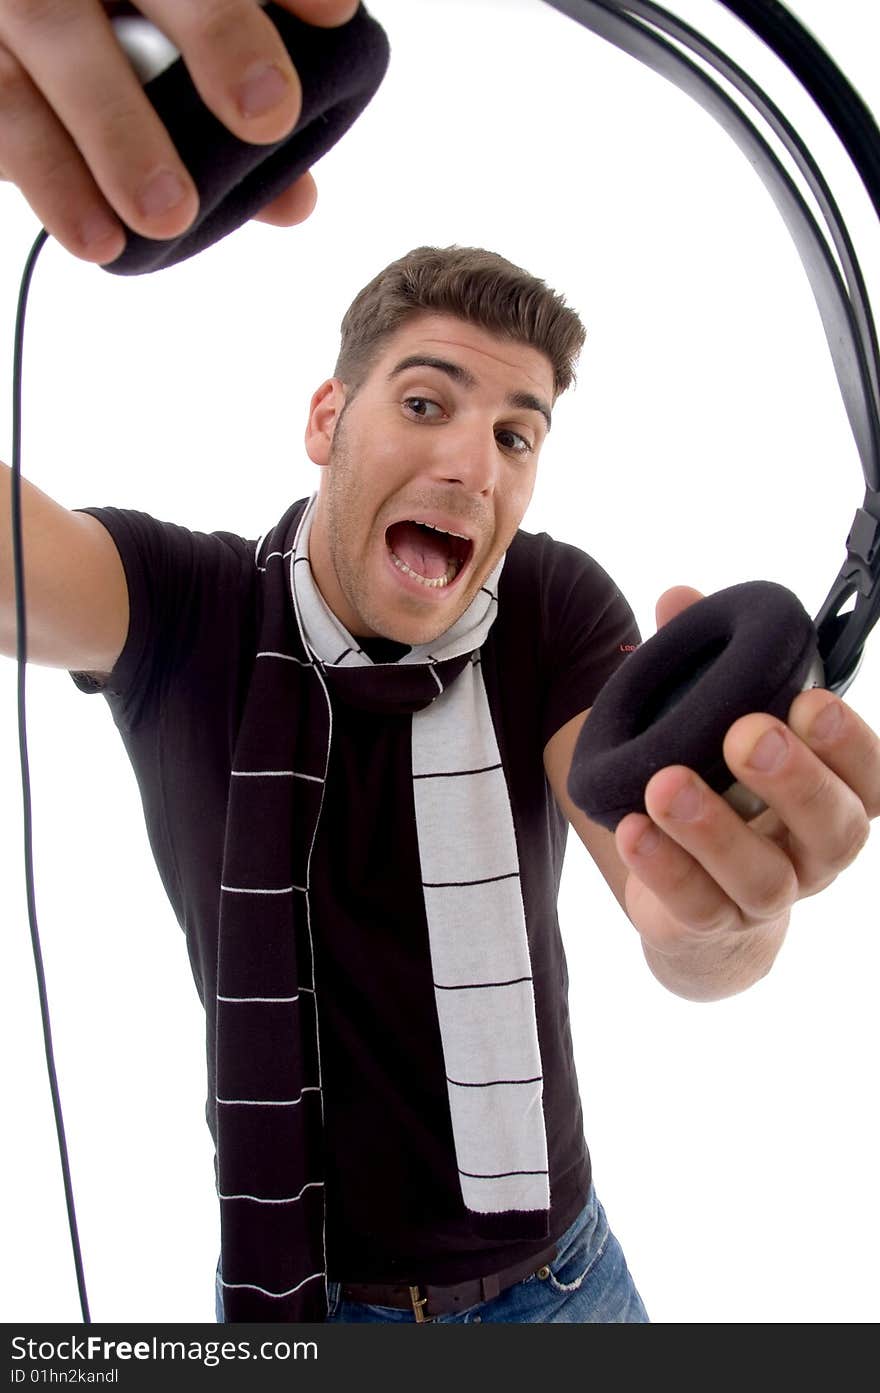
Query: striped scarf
point(269, 1098)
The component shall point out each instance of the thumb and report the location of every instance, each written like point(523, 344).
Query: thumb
point(293, 205)
point(675, 601)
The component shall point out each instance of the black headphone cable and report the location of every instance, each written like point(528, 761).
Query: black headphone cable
point(21, 622)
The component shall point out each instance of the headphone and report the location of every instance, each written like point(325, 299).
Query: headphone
point(751, 647)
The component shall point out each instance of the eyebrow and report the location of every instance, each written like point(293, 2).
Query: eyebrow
point(526, 401)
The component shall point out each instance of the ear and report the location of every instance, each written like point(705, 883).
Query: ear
point(324, 412)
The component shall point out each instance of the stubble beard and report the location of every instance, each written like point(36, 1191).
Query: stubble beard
point(341, 507)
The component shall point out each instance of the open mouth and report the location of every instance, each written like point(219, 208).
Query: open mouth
point(427, 554)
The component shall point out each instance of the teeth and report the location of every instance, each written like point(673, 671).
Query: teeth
point(441, 529)
point(438, 583)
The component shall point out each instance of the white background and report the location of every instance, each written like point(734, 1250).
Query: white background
point(734, 1144)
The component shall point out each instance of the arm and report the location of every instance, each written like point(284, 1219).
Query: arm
point(75, 588)
point(710, 894)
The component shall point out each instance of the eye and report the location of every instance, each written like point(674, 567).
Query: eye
point(513, 441)
point(423, 408)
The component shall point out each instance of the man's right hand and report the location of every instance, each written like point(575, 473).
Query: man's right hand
point(85, 146)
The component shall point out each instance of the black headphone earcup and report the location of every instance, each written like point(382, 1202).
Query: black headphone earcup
point(340, 71)
point(752, 647)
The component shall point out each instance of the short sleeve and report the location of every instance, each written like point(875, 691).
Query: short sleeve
point(588, 631)
point(181, 586)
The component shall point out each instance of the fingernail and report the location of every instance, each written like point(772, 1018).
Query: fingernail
point(161, 194)
point(827, 723)
point(264, 88)
point(686, 804)
point(769, 752)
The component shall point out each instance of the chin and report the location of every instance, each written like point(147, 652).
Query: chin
point(396, 610)
point(417, 633)
point(420, 629)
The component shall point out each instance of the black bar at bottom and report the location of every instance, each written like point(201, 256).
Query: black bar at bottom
point(132, 1358)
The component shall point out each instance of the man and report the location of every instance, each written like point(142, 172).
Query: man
point(353, 741)
point(317, 786)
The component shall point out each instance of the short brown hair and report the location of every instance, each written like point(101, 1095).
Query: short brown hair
point(473, 284)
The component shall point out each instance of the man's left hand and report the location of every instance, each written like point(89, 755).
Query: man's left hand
point(699, 872)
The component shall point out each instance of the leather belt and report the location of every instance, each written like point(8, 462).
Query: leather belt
point(427, 1300)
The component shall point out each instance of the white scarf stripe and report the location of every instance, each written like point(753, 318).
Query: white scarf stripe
point(473, 903)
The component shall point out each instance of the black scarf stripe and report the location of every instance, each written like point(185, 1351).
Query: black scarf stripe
point(493, 1083)
point(458, 773)
point(465, 884)
point(269, 1162)
point(479, 986)
point(498, 1175)
point(270, 1176)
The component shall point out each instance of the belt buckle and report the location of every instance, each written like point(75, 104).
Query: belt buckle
point(417, 1303)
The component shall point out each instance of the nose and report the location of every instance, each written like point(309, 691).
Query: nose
point(468, 457)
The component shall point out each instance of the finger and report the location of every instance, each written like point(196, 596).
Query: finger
point(842, 740)
point(40, 157)
point(76, 125)
point(753, 872)
point(674, 601)
point(101, 136)
point(292, 206)
point(688, 897)
point(237, 61)
point(825, 821)
point(326, 14)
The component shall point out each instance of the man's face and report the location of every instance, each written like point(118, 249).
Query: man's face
point(427, 475)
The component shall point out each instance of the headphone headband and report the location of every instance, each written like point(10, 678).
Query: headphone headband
point(638, 28)
point(236, 179)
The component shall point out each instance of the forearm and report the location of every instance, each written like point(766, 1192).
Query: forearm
point(718, 967)
point(75, 587)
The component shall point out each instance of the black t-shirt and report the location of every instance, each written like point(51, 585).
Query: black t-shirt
point(393, 1201)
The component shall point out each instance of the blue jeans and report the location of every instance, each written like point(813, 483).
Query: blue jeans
point(588, 1283)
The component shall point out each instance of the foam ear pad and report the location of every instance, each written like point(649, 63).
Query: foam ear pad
point(340, 71)
point(751, 647)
